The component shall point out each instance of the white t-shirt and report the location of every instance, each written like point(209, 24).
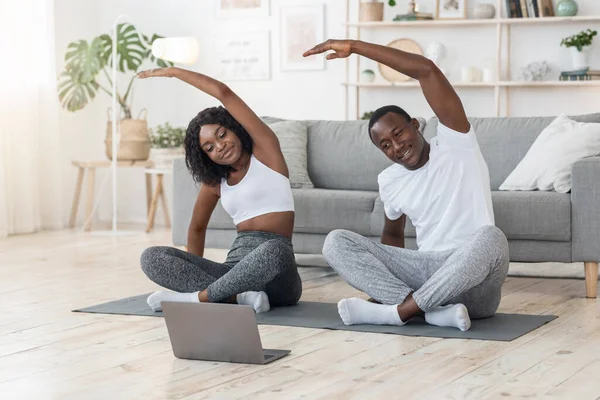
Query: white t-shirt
point(447, 199)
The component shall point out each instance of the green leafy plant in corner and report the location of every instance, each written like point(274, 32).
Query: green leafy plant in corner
point(580, 40)
point(367, 115)
point(88, 67)
point(167, 137)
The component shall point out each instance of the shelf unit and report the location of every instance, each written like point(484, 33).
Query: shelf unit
point(502, 25)
point(483, 84)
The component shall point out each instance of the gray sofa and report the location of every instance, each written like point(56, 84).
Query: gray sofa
point(343, 165)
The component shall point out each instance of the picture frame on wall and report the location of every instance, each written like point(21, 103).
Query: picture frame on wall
point(242, 8)
point(301, 27)
point(243, 55)
point(451, 9)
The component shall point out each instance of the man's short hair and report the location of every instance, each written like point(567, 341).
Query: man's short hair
point(380, 112)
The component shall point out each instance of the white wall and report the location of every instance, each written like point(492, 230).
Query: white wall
point(299, 95)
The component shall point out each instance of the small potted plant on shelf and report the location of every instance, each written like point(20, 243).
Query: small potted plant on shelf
point(372, 10)
point(167, 145)
point(580, 45)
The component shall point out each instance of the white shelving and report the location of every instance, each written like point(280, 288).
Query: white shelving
point(491, 21)
point(502, 26)
point(480, 84)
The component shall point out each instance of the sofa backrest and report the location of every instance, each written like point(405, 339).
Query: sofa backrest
point(504, 141)
point(341, 155)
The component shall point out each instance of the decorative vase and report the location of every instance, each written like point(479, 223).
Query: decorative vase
point(370, 11)
point(163, 158)
point(134, 144)
point(580, 58)
point(367, 76)
point(566, 8)
point(484, 11)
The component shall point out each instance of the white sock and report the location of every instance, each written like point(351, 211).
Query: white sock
point(454, 315)
point(257, 300)
point(156, 298)
point(358, 311)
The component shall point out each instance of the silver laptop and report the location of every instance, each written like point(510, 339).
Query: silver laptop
point(216, 332)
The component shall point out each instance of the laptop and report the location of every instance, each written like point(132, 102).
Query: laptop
point(216, 332)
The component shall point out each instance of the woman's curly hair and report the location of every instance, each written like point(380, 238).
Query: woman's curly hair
point(203, 169)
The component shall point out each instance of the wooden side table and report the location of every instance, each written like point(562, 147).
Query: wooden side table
point(158, 192)
point(90, 167)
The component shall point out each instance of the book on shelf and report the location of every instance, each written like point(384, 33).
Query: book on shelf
point(585, 74)
point(529, 8)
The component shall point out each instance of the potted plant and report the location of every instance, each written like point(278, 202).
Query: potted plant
point(167, 145)
point(87, 71)
point(372, 10)
point(580, 47)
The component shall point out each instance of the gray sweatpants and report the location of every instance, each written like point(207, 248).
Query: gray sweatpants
point(472, 275)
point(257, 261)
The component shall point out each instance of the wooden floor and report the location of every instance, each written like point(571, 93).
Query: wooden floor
point(48, 352)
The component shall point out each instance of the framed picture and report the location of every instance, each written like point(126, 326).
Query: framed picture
point(302, 27)
point(241, 8)
point(243, 55)
point(451, 9)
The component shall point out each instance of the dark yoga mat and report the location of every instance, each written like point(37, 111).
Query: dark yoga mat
point(501, 327)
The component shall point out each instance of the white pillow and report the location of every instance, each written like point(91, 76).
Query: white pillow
point(293, 140)
point(548, 163)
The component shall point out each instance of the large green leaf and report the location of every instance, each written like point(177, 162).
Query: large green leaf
point(83, 59)
point(161, 63)
point(105, 47)
point(75, 93)
point(130, 50)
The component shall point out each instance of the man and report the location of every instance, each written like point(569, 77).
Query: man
point(443, 187)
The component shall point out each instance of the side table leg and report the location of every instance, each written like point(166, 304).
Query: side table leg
point(90, 199)
point(148, 191)
point(163, 197)
point(76, 197)
point(152, 212)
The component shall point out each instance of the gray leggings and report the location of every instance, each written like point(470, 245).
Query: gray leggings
point(472, 275)
point(257, 261)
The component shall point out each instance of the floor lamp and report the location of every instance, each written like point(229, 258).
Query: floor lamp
point(183, 50)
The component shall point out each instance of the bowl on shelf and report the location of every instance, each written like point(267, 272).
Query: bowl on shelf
point(484, 11)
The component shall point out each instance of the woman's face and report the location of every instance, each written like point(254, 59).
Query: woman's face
point(222, 145)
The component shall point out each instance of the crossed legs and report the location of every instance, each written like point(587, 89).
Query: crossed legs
point(447, 288)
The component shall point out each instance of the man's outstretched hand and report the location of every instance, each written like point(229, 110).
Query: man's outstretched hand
point(342, 49)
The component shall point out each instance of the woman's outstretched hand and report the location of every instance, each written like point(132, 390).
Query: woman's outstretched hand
point(342, 49)
point(168, 72)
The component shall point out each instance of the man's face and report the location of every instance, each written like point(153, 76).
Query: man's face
point(399, 139)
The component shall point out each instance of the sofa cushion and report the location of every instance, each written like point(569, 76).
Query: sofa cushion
point(293, 140)
point(520, 215)
point(323, 210)
point(533, 215)
point(505, 141)
point(548, 163)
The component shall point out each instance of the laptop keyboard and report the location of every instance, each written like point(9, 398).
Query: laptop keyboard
point(269, 356)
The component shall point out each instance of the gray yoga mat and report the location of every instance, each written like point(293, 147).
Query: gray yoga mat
point(501, 327)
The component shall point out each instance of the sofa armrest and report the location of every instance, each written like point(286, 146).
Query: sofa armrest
point(585, 210)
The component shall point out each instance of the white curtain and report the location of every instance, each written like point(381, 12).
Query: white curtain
point(31, 196)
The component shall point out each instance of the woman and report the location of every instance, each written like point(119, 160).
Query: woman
point(236, 158)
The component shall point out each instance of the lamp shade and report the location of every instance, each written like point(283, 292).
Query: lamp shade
point(181, 50)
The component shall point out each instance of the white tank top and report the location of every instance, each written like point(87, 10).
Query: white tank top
point(261, 191)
